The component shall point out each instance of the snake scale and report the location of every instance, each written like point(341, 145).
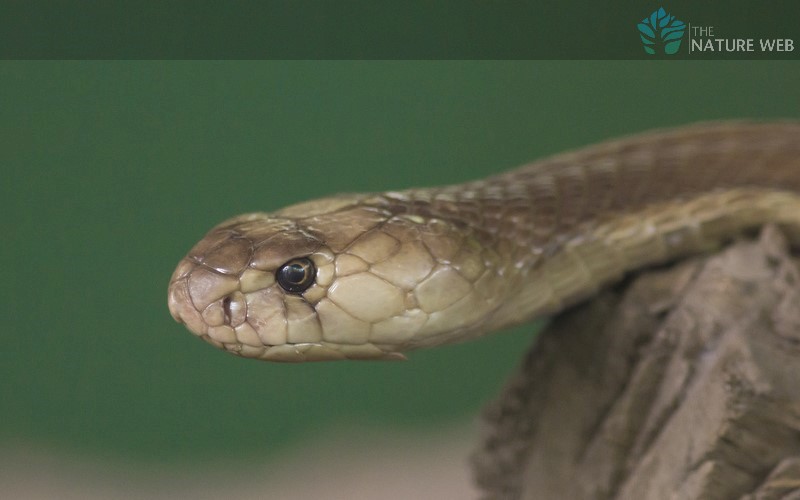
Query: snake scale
point(370, 276)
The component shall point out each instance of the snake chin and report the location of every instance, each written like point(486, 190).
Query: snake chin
point(300, 353)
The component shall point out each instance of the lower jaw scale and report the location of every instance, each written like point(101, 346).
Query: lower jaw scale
point(296, 353)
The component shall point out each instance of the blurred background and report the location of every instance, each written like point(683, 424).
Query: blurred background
point(113, 170)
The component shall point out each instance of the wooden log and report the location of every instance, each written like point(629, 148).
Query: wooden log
point(681, 383)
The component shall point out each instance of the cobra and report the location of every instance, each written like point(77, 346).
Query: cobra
point(371, 276)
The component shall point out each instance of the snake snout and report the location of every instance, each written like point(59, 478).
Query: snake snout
point(181, 307)
point(204, 299)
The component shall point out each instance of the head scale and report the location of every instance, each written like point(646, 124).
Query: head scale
point(329, 280)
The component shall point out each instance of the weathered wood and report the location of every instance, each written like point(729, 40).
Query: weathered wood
point(683, 383)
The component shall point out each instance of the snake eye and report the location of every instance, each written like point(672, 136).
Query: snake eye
point(296, 275)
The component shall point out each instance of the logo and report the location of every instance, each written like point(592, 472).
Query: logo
point(661, 33)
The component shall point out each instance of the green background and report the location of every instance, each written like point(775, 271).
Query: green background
point(112, 170)
point(366, 29)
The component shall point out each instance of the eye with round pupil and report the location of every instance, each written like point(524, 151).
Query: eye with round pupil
point(296, 275)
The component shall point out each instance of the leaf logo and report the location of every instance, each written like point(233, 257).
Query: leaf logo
point(661, 33)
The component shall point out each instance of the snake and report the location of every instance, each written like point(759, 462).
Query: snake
point(375, 275)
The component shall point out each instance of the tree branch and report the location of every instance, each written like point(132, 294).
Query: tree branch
point(682, 383)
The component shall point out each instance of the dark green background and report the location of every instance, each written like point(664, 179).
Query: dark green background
point(366, 29)
point(112, 170)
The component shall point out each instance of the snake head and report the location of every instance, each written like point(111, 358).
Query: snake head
point(315, 281)
point(330, 279)
point(256, 286)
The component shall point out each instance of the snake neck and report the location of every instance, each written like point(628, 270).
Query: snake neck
point(553, 232)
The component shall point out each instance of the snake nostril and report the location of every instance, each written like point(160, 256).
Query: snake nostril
point(226, 310)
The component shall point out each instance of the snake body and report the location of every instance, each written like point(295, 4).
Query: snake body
point(369, 276)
